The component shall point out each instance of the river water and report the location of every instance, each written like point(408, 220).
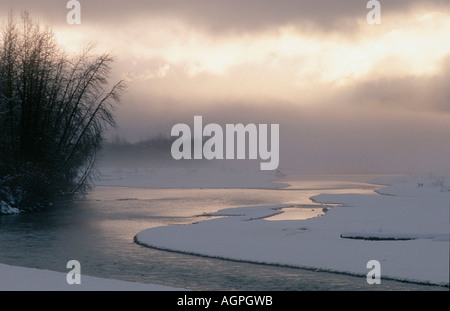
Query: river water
point(98, 231)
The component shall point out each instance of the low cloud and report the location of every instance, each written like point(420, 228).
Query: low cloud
point(426, 93)
point(348, 96)
point(224, 16)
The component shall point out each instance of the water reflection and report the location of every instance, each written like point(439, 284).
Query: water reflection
point(98, 231)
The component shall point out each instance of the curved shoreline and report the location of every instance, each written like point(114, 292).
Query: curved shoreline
point(201, 240)
point(306, 268)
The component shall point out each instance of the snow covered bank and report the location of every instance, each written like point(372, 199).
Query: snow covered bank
point(405, 227)
point(27, 279)
point(6, 199)
point(6, 209)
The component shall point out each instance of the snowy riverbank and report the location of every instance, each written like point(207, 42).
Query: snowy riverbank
point(28, 279)
point(405, 227)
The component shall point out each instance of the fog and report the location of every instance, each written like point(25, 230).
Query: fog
point(348, 96)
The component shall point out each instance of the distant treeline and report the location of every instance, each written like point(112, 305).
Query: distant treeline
point(154, 148)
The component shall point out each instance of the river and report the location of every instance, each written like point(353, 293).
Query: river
point(98, 231)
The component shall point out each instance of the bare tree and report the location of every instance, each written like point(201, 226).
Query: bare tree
point(53, 113)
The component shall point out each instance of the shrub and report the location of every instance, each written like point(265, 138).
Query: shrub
point(53, 113)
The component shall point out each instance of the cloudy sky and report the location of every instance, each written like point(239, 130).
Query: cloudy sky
point(349, 96)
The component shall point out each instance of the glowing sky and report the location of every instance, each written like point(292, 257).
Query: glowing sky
point(348, 96)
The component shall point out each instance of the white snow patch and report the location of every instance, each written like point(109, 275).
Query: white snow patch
point(413, 208)
point(6, 209)
point(14, 278)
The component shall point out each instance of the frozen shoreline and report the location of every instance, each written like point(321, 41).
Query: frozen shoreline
point(404, 226)
point(406, 229)
point(15, 278)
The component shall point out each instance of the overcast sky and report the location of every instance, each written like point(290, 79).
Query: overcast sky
point(349, 96)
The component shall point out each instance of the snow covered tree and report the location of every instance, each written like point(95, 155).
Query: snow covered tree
point(54, 110)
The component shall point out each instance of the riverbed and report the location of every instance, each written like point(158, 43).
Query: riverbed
point(98, 231)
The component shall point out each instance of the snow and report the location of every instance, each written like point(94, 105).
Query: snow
point(7, 209)
point(29, 279)
point(6, 199)
point(405, 226)
point(195, 176)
